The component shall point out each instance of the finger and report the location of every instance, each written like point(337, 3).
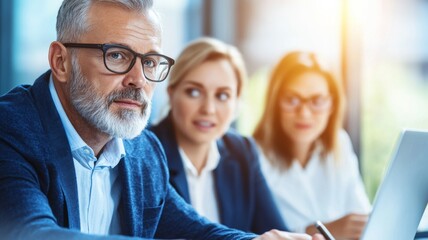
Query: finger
point(318, 237)
point(281, 235)
point(354, 233)
point(355, 228)
point(358, 216)
point(358, 219)
point(294, 236)
point(356, 223)
point(301, 237)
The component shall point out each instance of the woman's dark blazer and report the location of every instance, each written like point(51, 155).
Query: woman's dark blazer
point(244, 200)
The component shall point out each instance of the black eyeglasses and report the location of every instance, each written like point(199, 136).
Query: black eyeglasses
point(120, 59)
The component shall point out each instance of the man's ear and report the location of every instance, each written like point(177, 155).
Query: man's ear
point(59, 61)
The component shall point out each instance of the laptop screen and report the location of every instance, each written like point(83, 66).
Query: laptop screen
point(403, 194)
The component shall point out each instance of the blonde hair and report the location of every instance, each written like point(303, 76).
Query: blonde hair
point(203, 50)
point(274, 143)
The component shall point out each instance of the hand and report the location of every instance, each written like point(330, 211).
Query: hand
point(349, 226)
point(280, 235)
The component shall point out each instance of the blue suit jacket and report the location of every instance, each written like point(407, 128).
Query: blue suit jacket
point(244, 200)
point(38, 190)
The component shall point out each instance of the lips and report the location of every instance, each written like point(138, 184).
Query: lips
point(129, 103)
point(204, 124)
point(303, 125)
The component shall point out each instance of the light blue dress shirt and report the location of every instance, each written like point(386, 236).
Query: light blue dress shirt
point(97, 179)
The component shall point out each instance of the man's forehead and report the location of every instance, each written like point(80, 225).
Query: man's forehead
point(113, 24)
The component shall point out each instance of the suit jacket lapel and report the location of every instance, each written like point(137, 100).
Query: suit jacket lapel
point(178, 176)
point(58, 148)
point(178, 180)
point(143, 177)
point(226, 177)
point(130, 214)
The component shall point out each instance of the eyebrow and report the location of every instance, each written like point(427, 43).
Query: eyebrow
point(291, 92)
point(127, 46)
point(192, 82)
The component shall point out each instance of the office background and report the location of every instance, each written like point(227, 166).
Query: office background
point(378, 48)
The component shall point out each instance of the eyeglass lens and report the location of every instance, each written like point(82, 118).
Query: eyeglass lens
point(121, 60)
point(317, 103)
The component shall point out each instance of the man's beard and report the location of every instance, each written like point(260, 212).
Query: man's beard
point(94, 108)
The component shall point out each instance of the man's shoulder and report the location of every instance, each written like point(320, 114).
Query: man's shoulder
point(16, 100)
point(22, 108)
point(18, 106)
point(18, 110)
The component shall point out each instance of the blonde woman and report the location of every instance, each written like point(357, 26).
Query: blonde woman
point(213, 168)
point(307, 158)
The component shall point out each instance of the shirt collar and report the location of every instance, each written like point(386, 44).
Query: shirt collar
point(112, 153)
point(213, 159)
point(313, 159)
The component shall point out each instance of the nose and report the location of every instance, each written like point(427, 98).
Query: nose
point(304, 109)
point(135, 77)
point(208, 105)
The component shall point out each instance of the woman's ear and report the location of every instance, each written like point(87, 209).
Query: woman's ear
point(59, 61)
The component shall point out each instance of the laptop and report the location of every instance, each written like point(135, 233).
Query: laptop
point(403, 194)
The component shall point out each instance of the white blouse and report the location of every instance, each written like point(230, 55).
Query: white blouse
point(202, 186)
point(324, 190)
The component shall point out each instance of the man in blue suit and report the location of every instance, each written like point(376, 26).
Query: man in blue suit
point(75, 162)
